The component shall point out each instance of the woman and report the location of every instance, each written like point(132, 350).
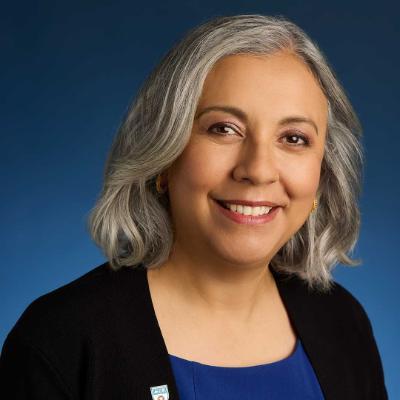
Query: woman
point(230, 193)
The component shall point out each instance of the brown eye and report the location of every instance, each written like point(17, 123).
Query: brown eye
point(222, 129)
point(297, 139)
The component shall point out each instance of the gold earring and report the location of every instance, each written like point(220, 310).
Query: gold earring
point(315, 204)
point(159, 188)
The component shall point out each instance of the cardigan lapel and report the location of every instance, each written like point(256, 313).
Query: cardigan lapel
point(157, 368)
point(313, 318)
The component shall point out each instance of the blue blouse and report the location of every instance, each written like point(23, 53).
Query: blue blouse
point(290, 378)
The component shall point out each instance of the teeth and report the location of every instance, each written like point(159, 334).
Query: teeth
point(246, 210)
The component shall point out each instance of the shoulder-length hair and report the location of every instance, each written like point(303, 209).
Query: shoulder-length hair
point(131, 222)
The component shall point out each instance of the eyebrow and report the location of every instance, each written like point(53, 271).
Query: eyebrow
point(243, 116)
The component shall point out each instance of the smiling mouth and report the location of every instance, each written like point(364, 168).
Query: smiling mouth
point(246, 210)
point(246, 215)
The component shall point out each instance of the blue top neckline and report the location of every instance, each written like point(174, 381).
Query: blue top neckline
point(267, 365)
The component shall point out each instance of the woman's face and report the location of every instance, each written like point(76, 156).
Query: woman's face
point(258, 135)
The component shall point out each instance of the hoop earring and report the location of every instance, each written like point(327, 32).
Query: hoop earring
point(315, 204)
point(159, 188)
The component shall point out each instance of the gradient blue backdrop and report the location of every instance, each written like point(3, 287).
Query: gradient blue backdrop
point(68, 72)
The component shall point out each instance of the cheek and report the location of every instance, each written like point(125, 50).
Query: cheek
point(198, 170)
point(302, 178)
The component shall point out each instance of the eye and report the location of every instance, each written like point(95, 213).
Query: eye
point(299, 139)
point(222, 127)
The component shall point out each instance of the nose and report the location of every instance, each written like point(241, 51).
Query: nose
point(257, 164)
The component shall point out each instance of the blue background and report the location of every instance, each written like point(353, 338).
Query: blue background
point(68, 71)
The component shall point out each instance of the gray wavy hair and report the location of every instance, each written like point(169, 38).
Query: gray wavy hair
point(131, 221)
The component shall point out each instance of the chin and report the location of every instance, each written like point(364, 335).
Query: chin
point(248, 257)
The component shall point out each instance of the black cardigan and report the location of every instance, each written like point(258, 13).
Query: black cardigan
point(98, 338)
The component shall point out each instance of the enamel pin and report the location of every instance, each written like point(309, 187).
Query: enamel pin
point(159, 392)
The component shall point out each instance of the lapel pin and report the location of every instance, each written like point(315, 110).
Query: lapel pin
point(159, 392)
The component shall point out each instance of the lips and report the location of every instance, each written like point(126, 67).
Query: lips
point(224, 205)
point(243, 219)
point(247, 203)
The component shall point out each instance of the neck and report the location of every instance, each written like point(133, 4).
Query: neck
point(219, 289)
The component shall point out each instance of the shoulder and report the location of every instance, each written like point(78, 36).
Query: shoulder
point(336, 309)
point(346, 308)
point(97, 329)
point(349, 302)
point(335, 330)
point(81, 306)
point(335, 314)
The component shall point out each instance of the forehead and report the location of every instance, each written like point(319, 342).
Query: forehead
point(278, 83)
